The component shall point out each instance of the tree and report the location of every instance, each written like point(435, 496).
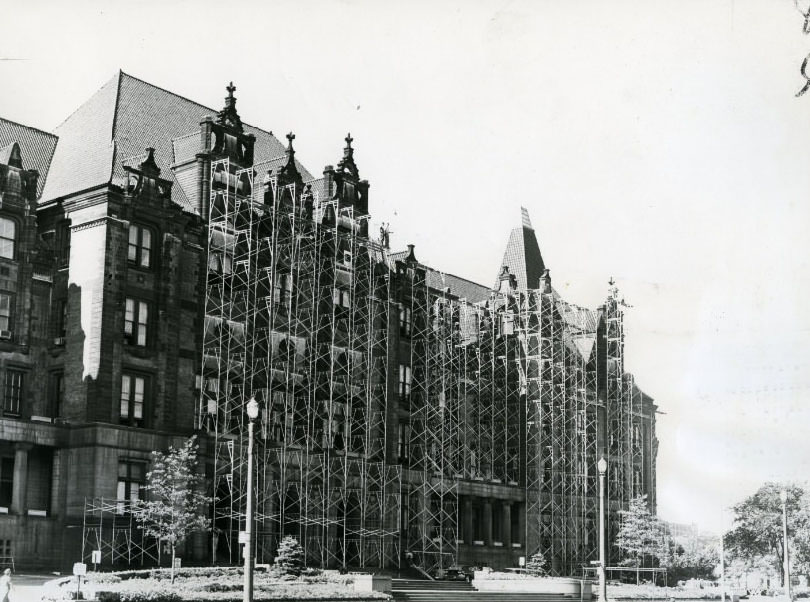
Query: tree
point(537, 564)
point(696, 558)
point(641, 535)
point(174, 507)
point(290, 556)
point(757, 531)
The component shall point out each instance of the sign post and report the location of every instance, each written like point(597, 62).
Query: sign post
point(79, 569)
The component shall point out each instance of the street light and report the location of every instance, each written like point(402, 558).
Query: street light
point(602, 466)
point(783, 495)
point(253, 413)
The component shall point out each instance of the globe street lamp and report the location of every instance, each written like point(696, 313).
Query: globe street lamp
point(253, 413)
point(602, 466)
point(783, 495)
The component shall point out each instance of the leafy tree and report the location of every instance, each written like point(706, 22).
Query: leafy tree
point(641, 535)
point(757, 531)
point(174, 508)
point(692, 559)
point(537, 564)
point(290, 556)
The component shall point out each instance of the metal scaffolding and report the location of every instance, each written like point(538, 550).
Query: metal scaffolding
point(297, 306)
point(560, 368)
point(109, 525)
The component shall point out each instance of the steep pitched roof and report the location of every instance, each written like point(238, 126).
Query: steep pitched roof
point(36, 147)
point(522, 255)
point(118, 122)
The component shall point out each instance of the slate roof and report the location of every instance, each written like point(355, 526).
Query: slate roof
point(118, 122)
point(36, 147)
point(522, 255)
point(460, 287)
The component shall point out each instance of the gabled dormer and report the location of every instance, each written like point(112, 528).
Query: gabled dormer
point(225, 136)
point(144, 182)
point(18, 186)
point(350, 190)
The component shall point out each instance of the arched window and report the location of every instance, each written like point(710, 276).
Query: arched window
point(8, 229)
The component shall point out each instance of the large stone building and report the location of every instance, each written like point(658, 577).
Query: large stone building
point(162, 263)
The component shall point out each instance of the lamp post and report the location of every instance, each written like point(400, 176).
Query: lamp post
point(783, 495)
point(602, 467)
point(253, 413)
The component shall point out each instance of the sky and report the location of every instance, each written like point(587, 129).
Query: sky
point(658, 143)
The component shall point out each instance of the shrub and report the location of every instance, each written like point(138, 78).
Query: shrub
point(149, 595)
point(290, 557)
point(537, 564)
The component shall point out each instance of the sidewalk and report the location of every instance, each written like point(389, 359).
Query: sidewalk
point(26, 587)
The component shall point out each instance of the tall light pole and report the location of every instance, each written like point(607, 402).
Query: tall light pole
point(602, 466)
point(783, 495)
point(253, 413)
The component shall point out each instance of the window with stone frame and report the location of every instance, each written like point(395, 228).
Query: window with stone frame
point(131, 480)
point(283, 291)
point(404, 320)
point(63, 243)
point(5, 311)
point(60, 318)
point(139, 249)
point(6, 480)
point(136, 322)
point(13, 391)
point(8, 233)
point(57, 393)
point(404, 383)
point(134, 399)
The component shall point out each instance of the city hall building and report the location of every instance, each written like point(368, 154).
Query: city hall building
point(162, 263)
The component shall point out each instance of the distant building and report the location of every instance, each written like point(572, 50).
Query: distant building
point(162, 263)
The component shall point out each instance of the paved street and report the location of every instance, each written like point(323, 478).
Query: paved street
point(26, 587)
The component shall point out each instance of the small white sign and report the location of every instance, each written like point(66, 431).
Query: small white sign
point(243, 537)
point(95, 557)
point(177, 562)
point(522, 561)
point(79, 568)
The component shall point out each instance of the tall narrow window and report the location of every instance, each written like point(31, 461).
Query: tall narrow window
point(57, 393)
point(5, 311)
point(8, 230)
point(63, 243)
point(6, 480)
point(140, 246)
point(131, 477)
point(133, 399)
point(13, 391)
point(136, 317)
point(404, 321)
point(282, 291)
point(404, 382)
point(60, 319)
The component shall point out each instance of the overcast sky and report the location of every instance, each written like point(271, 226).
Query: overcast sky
point(656, 142)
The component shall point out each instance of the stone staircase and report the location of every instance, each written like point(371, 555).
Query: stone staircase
point(422, 590)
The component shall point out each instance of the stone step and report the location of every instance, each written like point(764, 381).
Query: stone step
point(426, 585)
point(451, 596)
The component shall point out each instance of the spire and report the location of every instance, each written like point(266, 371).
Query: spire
point(522, 255)
point(347, 162)
point(290, 150)
point(228, 115)
point(289, 173)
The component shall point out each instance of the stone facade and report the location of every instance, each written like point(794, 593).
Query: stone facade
point(108, 350)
